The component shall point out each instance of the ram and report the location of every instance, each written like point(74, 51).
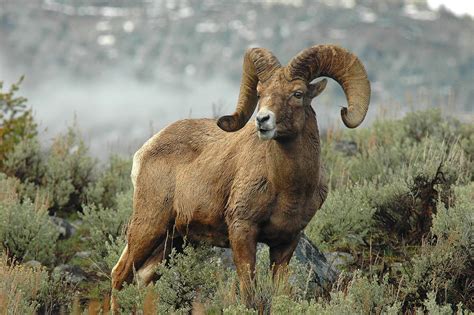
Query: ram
point(233, 184)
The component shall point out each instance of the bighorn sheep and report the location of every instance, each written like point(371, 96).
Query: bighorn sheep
point(222, 183)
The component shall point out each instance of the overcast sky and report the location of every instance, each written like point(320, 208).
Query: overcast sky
point(456, 6)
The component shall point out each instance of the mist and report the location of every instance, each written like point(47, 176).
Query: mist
point(116, 112)
point(121, 72)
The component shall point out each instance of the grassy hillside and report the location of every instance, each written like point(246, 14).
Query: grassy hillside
point(400, 213)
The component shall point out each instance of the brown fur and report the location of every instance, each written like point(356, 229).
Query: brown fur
point(228, 189)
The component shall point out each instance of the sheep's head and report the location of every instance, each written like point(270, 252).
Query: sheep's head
point(283, 92)
point(282, 105)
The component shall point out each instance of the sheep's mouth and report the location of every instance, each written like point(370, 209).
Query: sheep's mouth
point(266, 134)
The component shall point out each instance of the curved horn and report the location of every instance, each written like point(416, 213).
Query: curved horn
point(259, 65)
point(341, 65)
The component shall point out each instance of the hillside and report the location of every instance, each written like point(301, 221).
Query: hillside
point(408, 50)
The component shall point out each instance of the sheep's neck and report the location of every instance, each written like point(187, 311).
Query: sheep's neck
point(295, 162)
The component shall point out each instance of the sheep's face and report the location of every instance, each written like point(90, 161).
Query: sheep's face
point(282, 106)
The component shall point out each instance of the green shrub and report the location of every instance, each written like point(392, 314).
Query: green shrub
point(102, 226)
point(26, 231)
point(65, 171)
point(430, 123)
point(131, 297)
point(394, 203)
point(433, 308)
point(362, 295)
point(345, 219)
point(446, 266)
point(187, 277)
point(335, 164)
point(56, 294)
point(115, 179)
point(457, 221)
point(26, 162)
point(238, 309)
point(284, 304)
point(16, 120)
point(102, 232)
point(466, 141)
point(69, 171)
point(390, 146)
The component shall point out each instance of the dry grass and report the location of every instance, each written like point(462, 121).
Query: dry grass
point(20, 287)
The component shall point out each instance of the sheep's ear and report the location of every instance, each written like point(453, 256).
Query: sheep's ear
point(317, 88)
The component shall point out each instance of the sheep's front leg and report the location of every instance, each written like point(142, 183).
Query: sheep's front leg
point(243, 242)
point(280, 255)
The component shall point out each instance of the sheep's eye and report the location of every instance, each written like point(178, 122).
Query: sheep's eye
point(298, 94)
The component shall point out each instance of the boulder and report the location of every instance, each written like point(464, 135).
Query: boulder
point(339, 260)
point(72, 274)
point(348, 147)
point(306, 253)
point(65, 228)
point(33, 264)
point(83, 254)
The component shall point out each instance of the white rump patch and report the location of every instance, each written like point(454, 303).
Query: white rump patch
point(135, 167)
point(137, 157)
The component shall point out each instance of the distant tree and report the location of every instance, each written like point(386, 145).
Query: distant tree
point(16, 119)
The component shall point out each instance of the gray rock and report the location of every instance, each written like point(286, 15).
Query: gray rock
point(72, 274)
point(83, 254)
point(65, 228)
point(308, 254)
point(225, 257)
point(348, 147)
point(339, 259)
point(33, 264)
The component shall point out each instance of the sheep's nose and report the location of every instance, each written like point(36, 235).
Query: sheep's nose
point(262, 118)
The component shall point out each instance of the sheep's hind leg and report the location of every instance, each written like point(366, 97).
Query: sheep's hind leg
point(143, 236)
point(147, 273)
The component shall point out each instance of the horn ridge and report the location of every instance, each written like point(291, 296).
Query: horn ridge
point(341, 65)
point(259, 65)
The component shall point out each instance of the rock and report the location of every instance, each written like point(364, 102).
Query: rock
point(348, 147)
point(225, 257)
point(33, 264)
point(83, 254)
point(308, 254)
point(339, 259)
point(72, 274)
point(65, 228)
